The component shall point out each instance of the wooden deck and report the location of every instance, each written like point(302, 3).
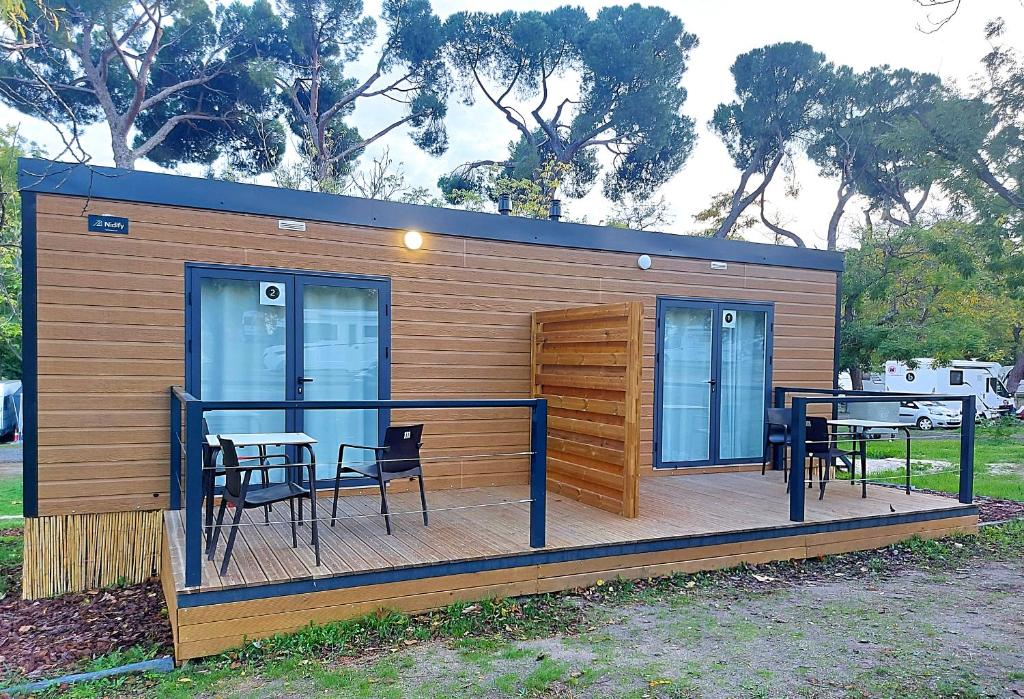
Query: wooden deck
point(489, 522)
point(477, 547)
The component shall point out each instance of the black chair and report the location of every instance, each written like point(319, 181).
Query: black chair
point(236, 491)
point(821, 447)
point(211, 471)
point(398, 457)
point(778, 436)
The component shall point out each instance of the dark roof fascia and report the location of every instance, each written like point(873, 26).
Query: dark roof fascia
point(75, 179)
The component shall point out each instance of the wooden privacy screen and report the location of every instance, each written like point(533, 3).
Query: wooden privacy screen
point(587, 363)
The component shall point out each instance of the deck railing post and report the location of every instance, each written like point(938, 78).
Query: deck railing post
point(538, 472)
point(175, 459)
point(797, 458)
point(779, 400)
point(193, 492)
point(967, 416)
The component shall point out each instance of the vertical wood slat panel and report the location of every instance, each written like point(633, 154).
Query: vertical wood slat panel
point(587, 362)
point(73, 553)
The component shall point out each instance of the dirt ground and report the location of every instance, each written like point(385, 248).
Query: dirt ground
point(943, 633)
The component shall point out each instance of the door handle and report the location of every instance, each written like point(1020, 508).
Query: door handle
point(302, 381)
point(305, 379)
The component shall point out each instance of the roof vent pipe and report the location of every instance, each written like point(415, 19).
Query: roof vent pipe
point(505, 204)
point(555, 210)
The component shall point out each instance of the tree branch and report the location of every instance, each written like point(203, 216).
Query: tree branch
point(779, 230)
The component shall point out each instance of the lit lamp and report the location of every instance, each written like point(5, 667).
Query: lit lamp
point(413, 240)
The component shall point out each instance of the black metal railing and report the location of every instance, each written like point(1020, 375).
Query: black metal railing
point(834, 397)
point(186, 441)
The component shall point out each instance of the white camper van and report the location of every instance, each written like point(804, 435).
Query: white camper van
point(960, 377)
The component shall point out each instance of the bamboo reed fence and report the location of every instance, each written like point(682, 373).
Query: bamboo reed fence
point(75, 553)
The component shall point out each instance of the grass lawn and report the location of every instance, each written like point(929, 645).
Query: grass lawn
point(10, 501)
point(10, 546)
point(998, 460)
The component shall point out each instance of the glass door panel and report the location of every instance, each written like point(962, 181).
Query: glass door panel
point(242, 343)
point(687, 384)
point(341, 351)
point(742, 384)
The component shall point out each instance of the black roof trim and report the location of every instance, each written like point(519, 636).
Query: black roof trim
point(74, 179)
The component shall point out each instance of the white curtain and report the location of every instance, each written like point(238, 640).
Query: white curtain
point(685, 387)
point(242, 355)
point(743, 375)
point(341, 355)
point(242, 346)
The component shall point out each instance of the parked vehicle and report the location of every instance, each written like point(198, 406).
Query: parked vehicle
point(960, 377)
point(10, 413)
point(928, 414)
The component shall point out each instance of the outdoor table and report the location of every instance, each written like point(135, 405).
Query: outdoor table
point(858, 429)
point(261, 440)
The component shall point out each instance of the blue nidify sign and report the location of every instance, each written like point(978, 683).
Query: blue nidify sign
point(108, 224)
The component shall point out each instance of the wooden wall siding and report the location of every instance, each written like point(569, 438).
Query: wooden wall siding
point(111, 335)
point(587, 362)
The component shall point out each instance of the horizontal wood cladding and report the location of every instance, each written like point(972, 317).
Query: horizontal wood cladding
point(111, 331)
point(587, 362)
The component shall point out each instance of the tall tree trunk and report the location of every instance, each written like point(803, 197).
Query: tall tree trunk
point(856, 378)
point(1016, 375)
point(124, 156)
point(740, 202)
point(842, 197)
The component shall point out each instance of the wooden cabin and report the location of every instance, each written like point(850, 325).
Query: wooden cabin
point(646, 359)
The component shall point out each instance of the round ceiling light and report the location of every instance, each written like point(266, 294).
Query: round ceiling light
point(413, 240)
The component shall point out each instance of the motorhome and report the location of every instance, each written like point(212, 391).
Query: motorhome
point(959, 377)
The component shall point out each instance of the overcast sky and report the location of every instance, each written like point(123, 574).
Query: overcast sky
point(860, 33)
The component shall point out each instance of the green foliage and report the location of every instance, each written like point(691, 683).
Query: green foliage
point(779, 89)
point(11, 148)
point(531, 194)
point(172, 72)
point(312, 67)
point(628, 63)
point(923, 292)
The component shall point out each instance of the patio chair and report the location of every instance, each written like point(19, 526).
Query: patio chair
point(777, 436)
point(398, 457)
point(821, 447)
point(211, 471)
point(237, 493)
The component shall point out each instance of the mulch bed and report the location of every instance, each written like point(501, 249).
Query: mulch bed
point(990, 509)
point(40, 636)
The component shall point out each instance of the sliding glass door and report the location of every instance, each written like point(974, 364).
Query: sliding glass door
point(713, 381)
point(255, 334)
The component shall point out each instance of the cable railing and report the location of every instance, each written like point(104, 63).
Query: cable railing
point(186, 445)
point(834, 397)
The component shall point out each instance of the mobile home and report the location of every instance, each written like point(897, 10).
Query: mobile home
point(593, 399)
point(959, 377)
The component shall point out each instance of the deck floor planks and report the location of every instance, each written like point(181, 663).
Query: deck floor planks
point(408, 545)
point(279, 540)
point(669, 507)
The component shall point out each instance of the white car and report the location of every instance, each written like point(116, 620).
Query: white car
point(928, 414)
